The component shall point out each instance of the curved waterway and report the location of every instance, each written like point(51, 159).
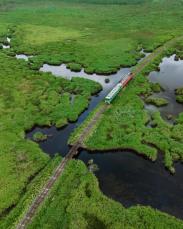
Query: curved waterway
point(125, 176)
point(63, 71)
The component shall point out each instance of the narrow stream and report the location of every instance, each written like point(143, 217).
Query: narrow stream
point(125, 176)
point(63, 71)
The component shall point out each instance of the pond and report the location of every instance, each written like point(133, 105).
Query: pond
point(132, 179)
point(23, 57)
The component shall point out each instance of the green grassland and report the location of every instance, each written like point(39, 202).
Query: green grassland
point(100, 38)
point(15, 214)
point(127, 125)
point(27, 99)
point(80, 204)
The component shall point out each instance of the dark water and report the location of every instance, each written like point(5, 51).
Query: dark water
point(125, 176)
point(131, 179)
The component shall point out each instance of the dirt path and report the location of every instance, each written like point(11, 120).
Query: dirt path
point(75, 148)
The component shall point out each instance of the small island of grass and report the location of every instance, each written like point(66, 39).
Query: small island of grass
point(74, 67)
point(156, 101)
point(179, 94)
point(39, 137)
point(156, 87)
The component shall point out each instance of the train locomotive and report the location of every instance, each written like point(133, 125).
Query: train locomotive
point(115, 91)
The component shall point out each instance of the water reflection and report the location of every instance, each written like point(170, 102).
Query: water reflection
point(6, 46)
point(169, 77)
point(23, 57)
point(131, 180)
point(63, 71)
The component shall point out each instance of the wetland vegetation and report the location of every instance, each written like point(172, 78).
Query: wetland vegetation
point(39, 136)
point(129, 127)
point(156, 101)
point(100, 38)
point(28, 99)
point(179, 94)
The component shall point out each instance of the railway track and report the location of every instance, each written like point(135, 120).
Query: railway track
point(75, 148)
point(155, 54)
point(58, 172)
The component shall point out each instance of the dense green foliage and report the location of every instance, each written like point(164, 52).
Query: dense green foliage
point(156, 87)
point(100, 38)
point(32, 190)
point(28, 99)
point(80, 204)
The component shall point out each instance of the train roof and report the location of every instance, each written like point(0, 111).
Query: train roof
point(114, 90)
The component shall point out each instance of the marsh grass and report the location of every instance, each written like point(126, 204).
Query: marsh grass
point(27, 99)
point(101, 38)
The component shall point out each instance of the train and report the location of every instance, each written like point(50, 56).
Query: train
point(115, 91)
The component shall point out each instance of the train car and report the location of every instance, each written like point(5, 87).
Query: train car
point(109, 98)
point(126, 79)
